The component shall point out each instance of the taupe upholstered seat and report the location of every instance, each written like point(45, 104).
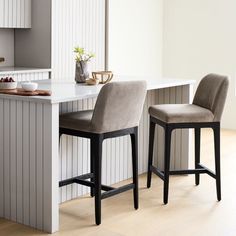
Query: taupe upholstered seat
point(204, 112)
point(208, 103)
point(119, 106)
point(77, 120)
point(117, 113)
point(181, 113)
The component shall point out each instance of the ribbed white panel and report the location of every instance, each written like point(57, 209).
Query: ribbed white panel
point(15, 13)
point(27, 76)
point(77, 22)
point(28, 163)
point(116, 164)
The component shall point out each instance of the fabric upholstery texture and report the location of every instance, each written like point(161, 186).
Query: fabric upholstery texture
point(77, 120)
point(119, 106)
point(211, 94)
point(208, 103)
point(181, 113)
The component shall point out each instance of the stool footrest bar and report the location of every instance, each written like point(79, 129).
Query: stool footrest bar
point(156, 171)
point(201, 170)
point(73, 180)
point(117, 191)
point(208, 171)
point(187, 172)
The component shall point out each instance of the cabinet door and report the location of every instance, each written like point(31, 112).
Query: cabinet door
point(15, 13)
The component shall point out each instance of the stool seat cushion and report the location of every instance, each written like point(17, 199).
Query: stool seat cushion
point(80, 120)
point(181, 113)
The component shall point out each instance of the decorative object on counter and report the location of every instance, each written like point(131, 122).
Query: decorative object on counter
point(92, 81)
point(82, 58)
point(22, 92)
point(103, 76)
point(8, 83)
point(2, 59)
point(29, 86)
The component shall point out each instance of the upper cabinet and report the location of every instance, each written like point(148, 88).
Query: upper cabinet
point(15, 13)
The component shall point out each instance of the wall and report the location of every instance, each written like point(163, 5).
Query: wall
point(77, 23)
point(7, 46)
point(200, 38)
point(135, 37)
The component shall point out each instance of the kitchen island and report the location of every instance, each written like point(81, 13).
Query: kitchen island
point(32, 162)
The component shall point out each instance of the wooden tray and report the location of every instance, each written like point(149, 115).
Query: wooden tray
point(21, 92)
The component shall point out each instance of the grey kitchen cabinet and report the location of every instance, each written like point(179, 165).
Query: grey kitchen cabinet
point(15, 13)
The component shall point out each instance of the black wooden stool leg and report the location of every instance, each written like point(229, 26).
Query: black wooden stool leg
point(197, 132)
point(168, 132)
point(92, 157)
point(150, 152)
point(96, 148)
point(217, 160)
point(134, 143)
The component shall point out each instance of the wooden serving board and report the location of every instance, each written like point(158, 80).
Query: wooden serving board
point(22, 92)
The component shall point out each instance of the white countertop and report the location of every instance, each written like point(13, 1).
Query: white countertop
point(20, 70)
point(65, 92)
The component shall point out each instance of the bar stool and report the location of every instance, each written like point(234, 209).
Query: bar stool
point(204, 112)
point(117, 113)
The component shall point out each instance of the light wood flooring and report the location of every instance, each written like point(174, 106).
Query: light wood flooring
point(191, 210)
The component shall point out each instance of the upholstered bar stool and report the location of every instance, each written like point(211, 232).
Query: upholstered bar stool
point(204, 112)
point(117, 113)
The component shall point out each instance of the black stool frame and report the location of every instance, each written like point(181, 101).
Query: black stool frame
point(96, 167)
point(199, 168)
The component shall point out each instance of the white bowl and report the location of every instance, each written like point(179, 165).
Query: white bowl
point(8, 85)
point(29, 86)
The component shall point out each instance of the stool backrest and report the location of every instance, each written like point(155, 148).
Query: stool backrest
point(211, 94)
point(119, 106)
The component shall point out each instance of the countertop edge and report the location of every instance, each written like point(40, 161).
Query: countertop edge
point(49, 100)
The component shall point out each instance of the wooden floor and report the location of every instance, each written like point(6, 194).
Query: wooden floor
point(191, 210)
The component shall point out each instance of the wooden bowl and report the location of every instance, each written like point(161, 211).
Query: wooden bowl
point(92, 81)
point(103, 76)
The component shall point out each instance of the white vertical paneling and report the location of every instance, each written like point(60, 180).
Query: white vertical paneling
point(6, 162)
point(2, 15)
point(1, 159)
point(19, 156)
point(11, 6)
point(6, 14)
point(27, 15)
point(77, 22)
point(22, 13)
point(26, 162)
point(32, 165)
point(15, 13)
point(159, 136)
point(172, 100)
point(18, 10)
point(50, 167)
point(186, 137)
point(178, 141)
point(39, 165)
point(13, 159)
point(27, 76)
